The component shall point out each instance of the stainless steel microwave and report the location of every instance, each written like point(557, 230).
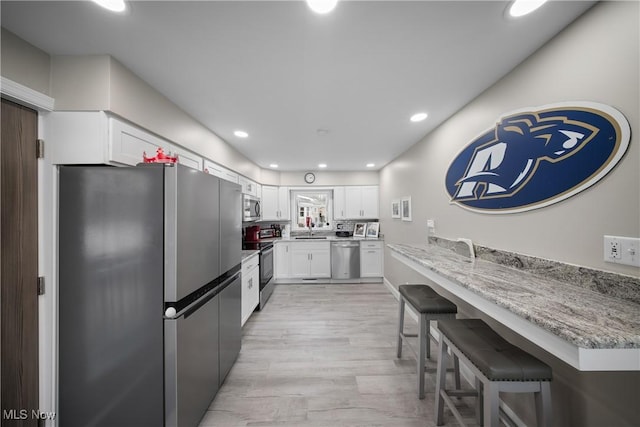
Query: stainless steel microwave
point(250, 208)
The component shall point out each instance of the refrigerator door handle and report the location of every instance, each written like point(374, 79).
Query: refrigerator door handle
point(170, 313)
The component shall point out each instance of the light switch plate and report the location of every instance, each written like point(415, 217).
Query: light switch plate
point(622, 250)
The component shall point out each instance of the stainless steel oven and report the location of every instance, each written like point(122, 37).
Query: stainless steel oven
point(266, 272)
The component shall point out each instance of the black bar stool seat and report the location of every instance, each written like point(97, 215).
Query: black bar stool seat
point(498, 366)
point(429, 305)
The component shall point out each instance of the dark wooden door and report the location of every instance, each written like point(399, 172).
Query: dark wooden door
point(19, 265)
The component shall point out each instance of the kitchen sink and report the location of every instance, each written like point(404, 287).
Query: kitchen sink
point(311, 238)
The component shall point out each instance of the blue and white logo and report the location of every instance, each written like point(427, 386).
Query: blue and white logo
point(536, 157)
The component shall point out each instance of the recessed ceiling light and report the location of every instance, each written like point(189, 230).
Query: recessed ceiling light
point(322, 6)
point(418, 117)
point(112, 5)
point(322, 165)
point(524, 7)
point(370, 165)
point(241, 134)
point(273, 165)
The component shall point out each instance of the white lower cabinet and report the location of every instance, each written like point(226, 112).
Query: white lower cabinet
point(371, 259)
point(310, 260)
point(297, 260)
point(250, 286)
point(282, 260)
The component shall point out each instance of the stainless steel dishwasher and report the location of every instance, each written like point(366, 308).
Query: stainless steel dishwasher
point(345, 260)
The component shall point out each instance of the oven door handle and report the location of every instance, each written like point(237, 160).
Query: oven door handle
point(267, 251)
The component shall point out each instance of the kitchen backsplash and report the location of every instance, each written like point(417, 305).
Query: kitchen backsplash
point(612, 284)
point(350, 225)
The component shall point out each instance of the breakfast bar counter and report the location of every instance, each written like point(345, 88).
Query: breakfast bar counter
point(589, 330)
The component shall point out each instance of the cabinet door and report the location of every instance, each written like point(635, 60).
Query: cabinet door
point(370, 202)
point(219, 171)
point(320, 263)
point(188, 158)
point(300, 259)
point(248, 186)
point(283, 203)
point(77, 138)
point(250, 292)
point(339, 208)
point(282, 260)
point(371, 263)
point(269, 203)
point(127, 144)
point(353, 202)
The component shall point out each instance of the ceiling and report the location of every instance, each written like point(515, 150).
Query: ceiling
point(308, 89)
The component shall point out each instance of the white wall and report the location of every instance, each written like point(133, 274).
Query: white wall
point(80, 83)
point(595, 59)
point(24, 63)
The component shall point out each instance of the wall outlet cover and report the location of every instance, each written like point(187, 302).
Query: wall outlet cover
point(622, 250)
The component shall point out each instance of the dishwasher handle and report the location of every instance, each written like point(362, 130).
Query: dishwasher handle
point(345, 244)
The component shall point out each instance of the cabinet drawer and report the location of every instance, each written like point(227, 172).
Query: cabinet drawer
point(249, 264)
point(377, 244)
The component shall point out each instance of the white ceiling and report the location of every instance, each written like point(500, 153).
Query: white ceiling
point(280, 72)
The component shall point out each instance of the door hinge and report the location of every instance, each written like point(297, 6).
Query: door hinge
point(41, 285)
point(40, 148)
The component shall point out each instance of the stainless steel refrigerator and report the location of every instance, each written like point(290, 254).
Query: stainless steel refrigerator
point(149, 293)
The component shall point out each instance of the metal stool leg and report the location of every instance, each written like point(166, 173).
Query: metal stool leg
point(543, 404)
point(456, 371)
point(422, 344)
point(400, 325)
point(491, 401)
point(479, 403)
point(441, 378)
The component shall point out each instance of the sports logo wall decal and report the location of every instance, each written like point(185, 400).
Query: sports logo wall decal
point(538, 156)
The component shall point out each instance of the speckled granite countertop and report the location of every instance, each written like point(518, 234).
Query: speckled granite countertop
point(246, 254)
point(583, 317)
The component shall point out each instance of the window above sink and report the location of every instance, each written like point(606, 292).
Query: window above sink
point(314, 207)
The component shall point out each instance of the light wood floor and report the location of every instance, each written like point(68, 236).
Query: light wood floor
point(324, 355)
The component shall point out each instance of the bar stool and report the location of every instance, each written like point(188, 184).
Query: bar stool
point(429, 306)
point(498, 366)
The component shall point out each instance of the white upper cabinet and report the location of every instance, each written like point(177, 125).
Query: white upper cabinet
point(356, 202)
point(127, 144)
point(370, 201)
point(219, 171)
point(248, 186)
point(187, 158)
point(339, 207)
point(94, 137)
point(275, 203)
